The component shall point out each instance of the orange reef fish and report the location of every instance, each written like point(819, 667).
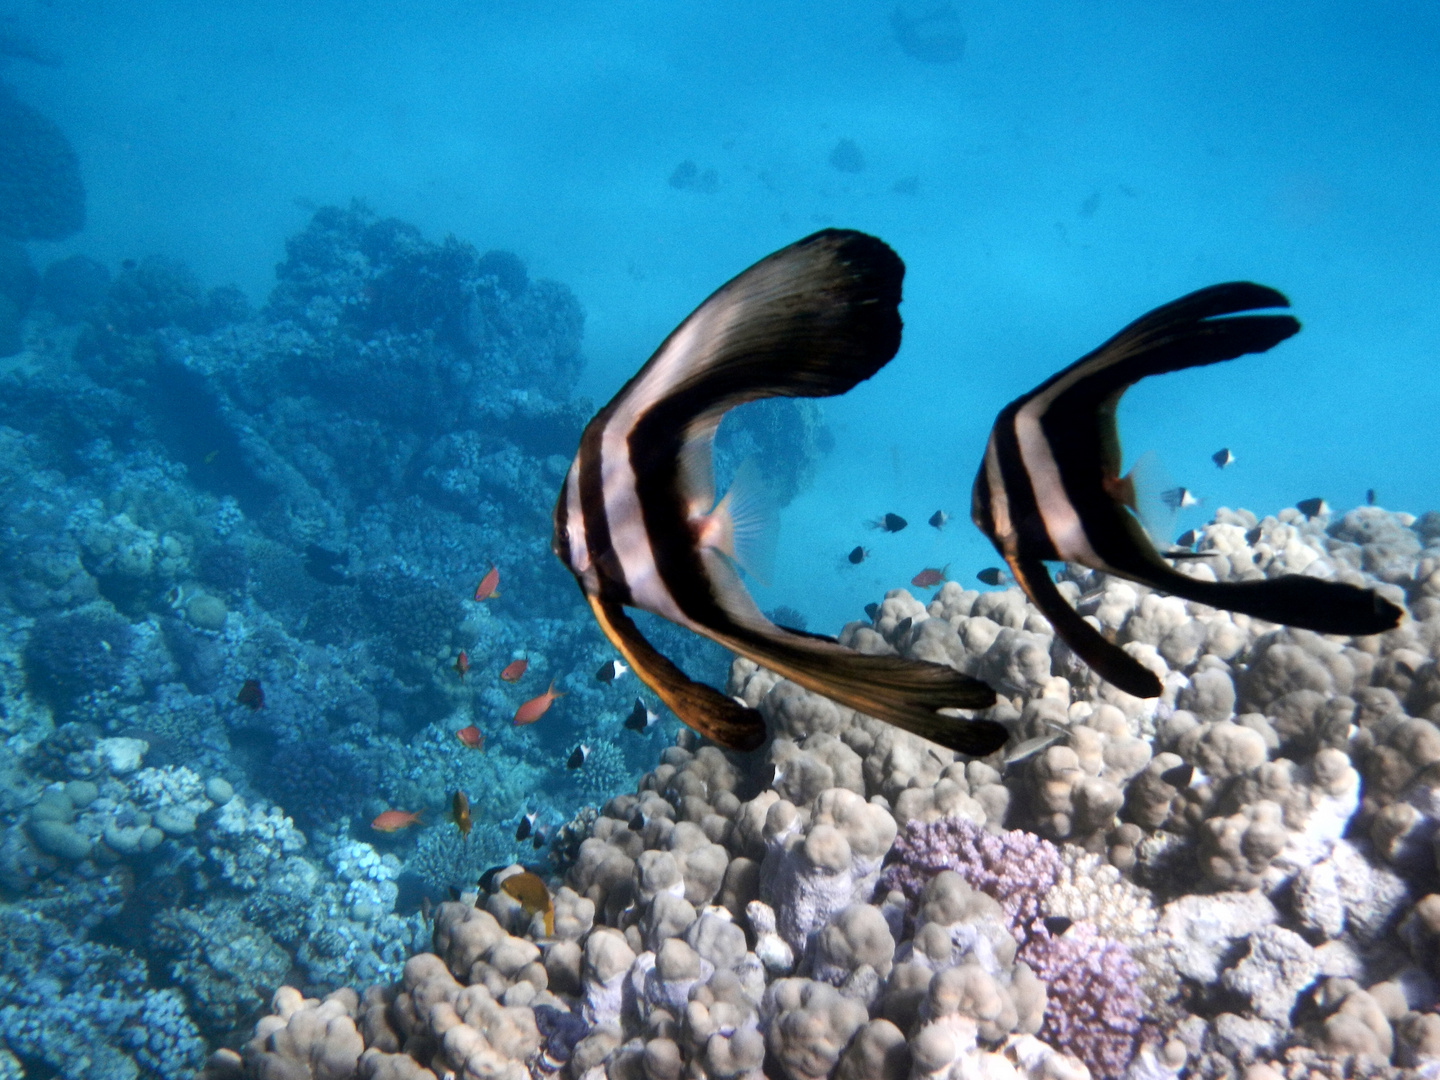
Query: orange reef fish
point(472, 737)
point(462, 665)
point(395, 820)
point(512, 671)
point(929, 577)
point(533, 896)
point(486, 589)
point(638, 524)
point(460, 812)
point(536, 707)
point(251, 696)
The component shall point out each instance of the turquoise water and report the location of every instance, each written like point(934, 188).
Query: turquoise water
point(1080, 164)
point(287, 432)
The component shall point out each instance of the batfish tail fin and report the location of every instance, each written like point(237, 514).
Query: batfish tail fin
point(720, 719)
point(1113, 663)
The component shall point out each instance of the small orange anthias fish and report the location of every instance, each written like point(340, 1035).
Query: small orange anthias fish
point(512, 671)
point(472, 737)
point(929, 577)
point(251, 696)
point(535, 708)
point(460, 812)
point(395, 820)
point(533, 896)
point(486, 589)
point(461, 665)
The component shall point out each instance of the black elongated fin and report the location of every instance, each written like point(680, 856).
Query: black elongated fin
point(1327, 607)
point(906, 693)
point(1112, 662)
point(811, 320)
point(1198, 329)
point(720, 719)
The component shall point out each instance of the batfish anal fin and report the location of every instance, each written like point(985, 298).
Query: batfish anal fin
point(906, 693)
point(720, 719)
point(1113, 663)
point(1326, 607)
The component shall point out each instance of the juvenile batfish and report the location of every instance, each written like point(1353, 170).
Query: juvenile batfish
point(638, 525)
point(1049, 488)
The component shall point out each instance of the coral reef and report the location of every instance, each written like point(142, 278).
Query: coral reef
point(1237, 877)
point(239, 548)
point(41, 194)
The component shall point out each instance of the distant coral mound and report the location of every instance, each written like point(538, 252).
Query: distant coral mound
point(929, 31)
point(41, 194)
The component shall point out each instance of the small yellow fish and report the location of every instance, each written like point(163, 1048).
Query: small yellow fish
point(460, 812)
point(533, 896)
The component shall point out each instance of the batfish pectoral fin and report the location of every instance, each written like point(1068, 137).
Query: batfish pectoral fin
point(1113, 663)
point(720, 719)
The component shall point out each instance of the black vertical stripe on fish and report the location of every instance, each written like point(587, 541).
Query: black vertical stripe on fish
point(634, 522)
point(1050, 487)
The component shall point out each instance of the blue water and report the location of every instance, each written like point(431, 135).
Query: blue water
point(1079, 165)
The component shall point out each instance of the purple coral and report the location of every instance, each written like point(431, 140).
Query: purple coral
point(1095, 1009)
point(1016, 868)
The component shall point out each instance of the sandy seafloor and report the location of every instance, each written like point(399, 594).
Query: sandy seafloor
point(1232, 880)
